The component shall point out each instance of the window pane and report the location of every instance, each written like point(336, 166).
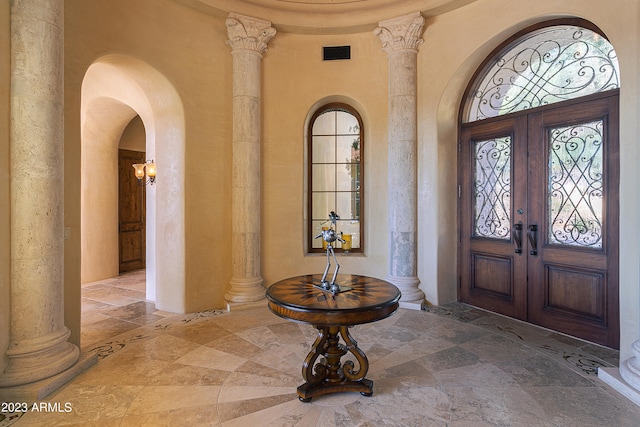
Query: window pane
point(323, 203)
point(347, 123)
point(348, 149)
point(346, 177)
point(575, 185)
point(324, 149)
point(324, 177)
point(325, 124)
point(347, 205)
point(353, 228)
point(355, 176)
point(492, 192)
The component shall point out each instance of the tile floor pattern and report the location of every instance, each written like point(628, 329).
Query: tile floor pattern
point(451, 365)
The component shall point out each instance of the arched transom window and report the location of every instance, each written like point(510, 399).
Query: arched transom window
point(548, 65)
point(336, 172)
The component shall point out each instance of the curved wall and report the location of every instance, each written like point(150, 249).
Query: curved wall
point(189, 48)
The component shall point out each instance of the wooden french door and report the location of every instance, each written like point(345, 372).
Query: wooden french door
point(131, 213)
point(539, 217)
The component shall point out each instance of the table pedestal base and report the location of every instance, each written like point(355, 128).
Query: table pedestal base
point(306, 391)
point(327, 375)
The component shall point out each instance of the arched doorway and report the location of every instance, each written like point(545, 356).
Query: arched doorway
point(115, 89)
point(538, 176)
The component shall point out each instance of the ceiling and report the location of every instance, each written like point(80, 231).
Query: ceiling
point(324, 16)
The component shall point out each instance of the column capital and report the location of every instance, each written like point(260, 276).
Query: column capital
point(403, 32)
point(247, 33)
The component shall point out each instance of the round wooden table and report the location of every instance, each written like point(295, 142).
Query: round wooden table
point(303, 300)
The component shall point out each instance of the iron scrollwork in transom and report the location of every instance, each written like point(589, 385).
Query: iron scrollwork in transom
point(551, 65)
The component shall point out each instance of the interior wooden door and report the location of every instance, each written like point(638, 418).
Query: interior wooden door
point(131, 212)
point(573, 220)
point(539, 217)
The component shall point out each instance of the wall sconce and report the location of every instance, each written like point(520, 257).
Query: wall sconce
point(150, 167)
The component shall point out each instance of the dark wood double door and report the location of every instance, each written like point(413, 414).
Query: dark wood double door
point(539, 217)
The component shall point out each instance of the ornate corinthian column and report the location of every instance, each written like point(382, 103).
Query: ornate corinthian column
point(400, 39)
point(38, 348)
point(248, 38)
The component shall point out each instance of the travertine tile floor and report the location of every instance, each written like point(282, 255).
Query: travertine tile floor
point(452, 365)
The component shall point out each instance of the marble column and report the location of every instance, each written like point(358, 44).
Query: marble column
point(626, 378)
point(400, 39)
point(248, 38)
point(38, 346)
point(630, 368)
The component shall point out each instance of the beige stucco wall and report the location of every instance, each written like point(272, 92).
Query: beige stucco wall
point(296, 81)
point(103, 137)
point(133, 136)
point(195, 58)
point(189, 49)
point(5, 225)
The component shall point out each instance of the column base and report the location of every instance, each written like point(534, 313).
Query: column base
point(244, 290)
point(412, 305)
point(38, 390)
point(39, 358)
point(412, 297)
point(612, 377)
point(240, 306)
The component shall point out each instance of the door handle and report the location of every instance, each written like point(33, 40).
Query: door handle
point(517, 237)
point(532, 233)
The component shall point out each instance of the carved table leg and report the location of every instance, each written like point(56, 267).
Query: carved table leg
point(328, 375)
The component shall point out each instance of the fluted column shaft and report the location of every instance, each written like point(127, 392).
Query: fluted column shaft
point(248, 38)
point(400, 39)
point(38, 348)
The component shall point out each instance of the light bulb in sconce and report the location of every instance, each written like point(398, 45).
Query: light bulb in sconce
point(151, 169)
point(139, 170)
point(150, 172)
